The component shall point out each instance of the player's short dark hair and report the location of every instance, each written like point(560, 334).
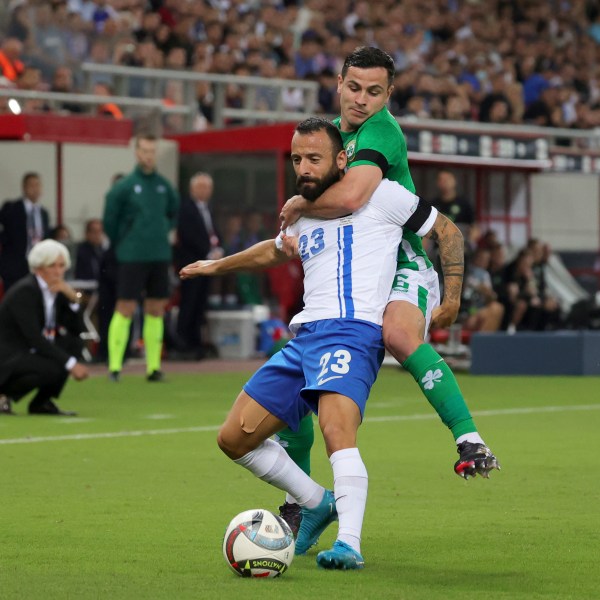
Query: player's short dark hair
point(367, 57)
point(314, 124)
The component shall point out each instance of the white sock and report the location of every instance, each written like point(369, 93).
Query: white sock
point(290, 499)
point(473, 438)
point(271, 463)
point(350, 484)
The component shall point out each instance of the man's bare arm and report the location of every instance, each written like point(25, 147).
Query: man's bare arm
point(343, 197)
point(452, 255)
point(260, 256)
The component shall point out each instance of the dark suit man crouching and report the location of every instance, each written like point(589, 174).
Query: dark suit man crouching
point(40, 326)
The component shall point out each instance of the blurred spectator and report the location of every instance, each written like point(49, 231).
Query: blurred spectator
point(50, 49)
point(495, 106)
point(457, 108)
point(250, 287)
point(19, 26)
point(31, 80)
point(109, 109)
point(148, 26)
point(327, 95)
point(76, 39)
point(488, 240)
point(550, 310)
point(84, 8)
point(62, 234)
point(457, 208)
point(102, 13)
point(545, 111)
point(499, 111)
point(267, 96)
point(505, 293)
point(483, 311)
point(11, 66)
point(88, 261)
point(100, 54)
point(521, 282)
point(292, 97)
point(197, 239)
point(306, 56)
point(23, 223)
point(62, 81)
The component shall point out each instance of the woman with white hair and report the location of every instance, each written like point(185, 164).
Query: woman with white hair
point(40, 326)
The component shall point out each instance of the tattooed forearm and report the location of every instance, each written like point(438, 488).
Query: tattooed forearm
point(452, 251)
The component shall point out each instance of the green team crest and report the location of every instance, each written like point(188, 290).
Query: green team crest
point(350, 150)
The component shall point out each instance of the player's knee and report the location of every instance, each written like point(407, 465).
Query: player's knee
point(338, 437)
point(229, 445)
point(400, 342)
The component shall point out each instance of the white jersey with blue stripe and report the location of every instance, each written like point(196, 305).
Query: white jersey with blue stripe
point(349, 263)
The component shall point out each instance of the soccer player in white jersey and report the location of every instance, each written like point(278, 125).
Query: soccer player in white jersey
point(376, 149)
point(331, 364)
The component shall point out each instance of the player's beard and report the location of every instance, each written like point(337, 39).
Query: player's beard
point(311, 188)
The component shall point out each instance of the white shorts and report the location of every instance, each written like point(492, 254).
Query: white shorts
point(421, 288)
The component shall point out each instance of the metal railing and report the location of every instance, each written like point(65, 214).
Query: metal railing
point(584, 138)
point(151, 83)
point(141, 92)
point(131, 107)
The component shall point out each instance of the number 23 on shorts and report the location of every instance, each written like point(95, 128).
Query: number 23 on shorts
point(339, 366)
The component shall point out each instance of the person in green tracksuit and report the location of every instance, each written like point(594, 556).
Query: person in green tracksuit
point(376, 148)
point(140, 210)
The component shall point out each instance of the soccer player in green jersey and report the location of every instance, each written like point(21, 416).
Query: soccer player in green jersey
point(376, 148)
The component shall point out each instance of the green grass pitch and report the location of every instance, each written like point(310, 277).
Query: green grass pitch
point(131, 499)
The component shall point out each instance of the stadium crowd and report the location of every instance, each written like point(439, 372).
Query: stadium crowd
point(498, 61)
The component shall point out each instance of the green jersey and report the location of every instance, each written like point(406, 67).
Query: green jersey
point(140, 210)
point(379, 141)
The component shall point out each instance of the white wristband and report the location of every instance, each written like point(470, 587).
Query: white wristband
point(279, 241)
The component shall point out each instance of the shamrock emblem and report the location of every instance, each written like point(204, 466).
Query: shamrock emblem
point(431, 378)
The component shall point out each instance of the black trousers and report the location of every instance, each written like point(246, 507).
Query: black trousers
point(48, 376)
point(192, 309)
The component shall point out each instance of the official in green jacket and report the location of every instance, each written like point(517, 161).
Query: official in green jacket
point(140, 210)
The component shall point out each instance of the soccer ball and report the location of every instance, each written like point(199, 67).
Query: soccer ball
point(258, 543)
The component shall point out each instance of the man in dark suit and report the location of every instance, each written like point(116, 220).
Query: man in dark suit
point(23, 222)
point(40, 323)
point(88, 261)
point(197, 240)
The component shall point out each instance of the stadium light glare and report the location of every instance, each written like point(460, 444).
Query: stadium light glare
point(14, 107)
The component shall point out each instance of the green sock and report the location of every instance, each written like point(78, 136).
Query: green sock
point(118, 336)
point(440, 387)
point(152, 333)
point(298, 444)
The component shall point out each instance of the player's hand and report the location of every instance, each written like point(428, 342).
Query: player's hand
point(200, 267)
point(444, 315)
point(292, 210)
point(289, 245)
point(474, 459)
point(79, 371)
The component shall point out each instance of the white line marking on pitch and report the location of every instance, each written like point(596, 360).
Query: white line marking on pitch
point(206, 428)
point(159, 417)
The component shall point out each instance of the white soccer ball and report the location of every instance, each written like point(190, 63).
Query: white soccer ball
point(258, 543)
